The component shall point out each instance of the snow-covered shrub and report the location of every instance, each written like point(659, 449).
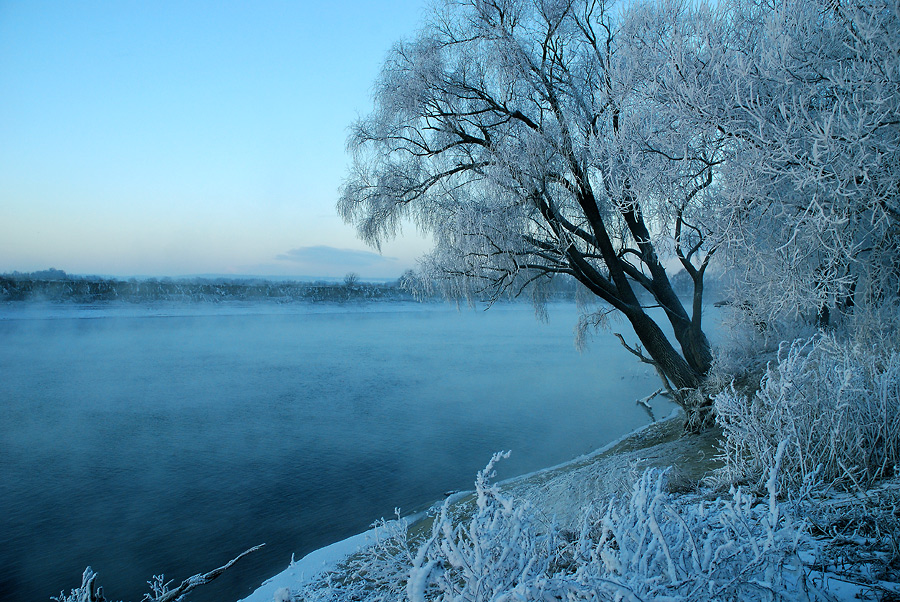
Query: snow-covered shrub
point(747, 343)
point(656, 546)
point(475, 550)
point(650, 545)
point(501, 552)
point(876, 326)
point(838, 404)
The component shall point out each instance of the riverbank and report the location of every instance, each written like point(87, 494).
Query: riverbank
point(605, 522)
point(560, 491)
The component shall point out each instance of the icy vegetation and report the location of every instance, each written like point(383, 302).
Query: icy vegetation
point(650, 544)
point(837, 403)
point(161, 590)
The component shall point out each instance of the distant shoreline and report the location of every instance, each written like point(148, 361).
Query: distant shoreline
point(55, 286)
point(98, 290)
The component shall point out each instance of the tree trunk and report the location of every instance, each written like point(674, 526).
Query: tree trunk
point(669, 361)
point(685, 380)
point(694, 345)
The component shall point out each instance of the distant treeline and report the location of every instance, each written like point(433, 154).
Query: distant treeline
point(56, 286)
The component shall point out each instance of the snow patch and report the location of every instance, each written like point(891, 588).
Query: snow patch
point(308, 567)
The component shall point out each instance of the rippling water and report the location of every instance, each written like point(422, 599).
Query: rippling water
point(149, 442)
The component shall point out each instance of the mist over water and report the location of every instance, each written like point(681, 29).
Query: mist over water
point(142, 443)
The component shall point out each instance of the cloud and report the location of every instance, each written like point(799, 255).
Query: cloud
point(330, 261)
point(325, 254)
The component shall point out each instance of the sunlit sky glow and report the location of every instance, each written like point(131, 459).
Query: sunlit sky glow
point(173, 138)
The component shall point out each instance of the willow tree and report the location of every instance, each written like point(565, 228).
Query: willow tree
point(523, 136)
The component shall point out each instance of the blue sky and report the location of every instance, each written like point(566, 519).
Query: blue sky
point(177, 138)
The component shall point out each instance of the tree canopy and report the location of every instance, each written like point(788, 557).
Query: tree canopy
point(807, 94)
point(611, 143)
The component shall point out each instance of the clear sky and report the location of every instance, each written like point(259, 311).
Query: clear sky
point(172, 138)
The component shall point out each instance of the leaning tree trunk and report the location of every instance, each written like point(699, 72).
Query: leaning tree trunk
point(664, 356)
point(682, 374)
point(682, 380)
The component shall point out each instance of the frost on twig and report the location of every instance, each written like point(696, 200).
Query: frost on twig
point(501, 547)
point(159, 587)
point(163, 594)
point(88, 592)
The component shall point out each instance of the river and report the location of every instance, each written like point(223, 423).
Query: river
point(167, 440)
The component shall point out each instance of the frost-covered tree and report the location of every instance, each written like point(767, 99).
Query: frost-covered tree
point(351, 279)
point(525, 137)
point(807, 93)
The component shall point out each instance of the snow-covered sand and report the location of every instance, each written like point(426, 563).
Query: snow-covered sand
point(314, 563)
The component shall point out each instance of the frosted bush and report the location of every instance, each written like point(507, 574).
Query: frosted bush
point(836, 402)
point(501, 552)
point(747, 343)
point(651, 545)
point(876, 325)
point(656, 546)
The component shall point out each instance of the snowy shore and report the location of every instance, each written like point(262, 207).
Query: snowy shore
point(561, 490)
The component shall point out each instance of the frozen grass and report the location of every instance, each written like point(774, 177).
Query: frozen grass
point(837, 403)
point(858, 536)
point(649, 544)
point(160, 589)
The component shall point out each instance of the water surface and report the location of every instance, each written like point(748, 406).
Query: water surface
point(146, 441)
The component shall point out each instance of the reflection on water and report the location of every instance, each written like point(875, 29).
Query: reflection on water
point(141, 444)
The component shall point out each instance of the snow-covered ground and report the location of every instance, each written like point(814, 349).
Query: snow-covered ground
point(310, 566)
